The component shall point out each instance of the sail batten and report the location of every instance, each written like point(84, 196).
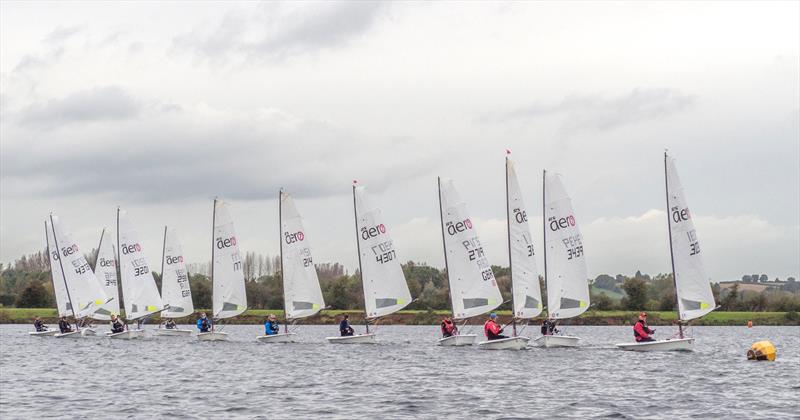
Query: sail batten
point(527, 294)
point(692, 285)
point(385, 287)
point(139, 290)
point(473, 287)
point(302, 295)
point(175, 290)
point(566, 271)
point(229, 295)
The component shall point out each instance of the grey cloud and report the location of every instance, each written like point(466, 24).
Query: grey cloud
point(98, 104)
point(61, 34)
point(601, 113)
point(278, 31)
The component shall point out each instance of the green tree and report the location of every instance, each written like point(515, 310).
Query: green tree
point(730, 302)
point(33, 296)
point(636, 291)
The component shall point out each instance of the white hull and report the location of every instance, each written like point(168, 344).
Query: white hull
point(125, 335)
point(510, 343)
point(74, 334)
point(558, 341)
point(353, 339)
point(213, 336)
point(678, 344)
point(278, 338)
point(458, 340)
point(86, 332)
point(48, 333)
point(173, 332)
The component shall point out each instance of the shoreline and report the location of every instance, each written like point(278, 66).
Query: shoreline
point(590, 318)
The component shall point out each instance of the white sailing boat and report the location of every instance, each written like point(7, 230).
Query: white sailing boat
point(473, 287)
point(105, 270)
point(84, 294)
point(227, 277)
point(565, 271)
point(692, 286)
point(382, 278)
point(302, 295)
point(63, 305)
point(175, 290)
point(525, 290)
point(139, 290)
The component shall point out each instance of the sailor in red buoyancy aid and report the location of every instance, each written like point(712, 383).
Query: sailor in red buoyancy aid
point(491, 329)
point(448, 328)
point(641, 331)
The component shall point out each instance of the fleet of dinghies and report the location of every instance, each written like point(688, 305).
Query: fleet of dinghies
point(84, 292)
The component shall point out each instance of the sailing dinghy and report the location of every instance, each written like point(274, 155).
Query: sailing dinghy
point(692, 286)
point(382, 278)
point(473, 288)
point(105, 271)
point(525, 290)
point(84, 294)
point(59, 288)
point(229, 297)
point(175, 290)
point(565, 271)
point(139, 290)
point(302, 295)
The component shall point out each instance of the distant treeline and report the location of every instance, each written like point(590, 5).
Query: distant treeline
point(27, 284)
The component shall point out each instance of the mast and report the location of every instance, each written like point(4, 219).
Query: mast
point(213, 224)
point(544, 232)
point(117, 260)
point(444, 242)
point(671, 252)
point(100, 245)
point(280, 242)
point(510, 264)
point(63, 275)
point(163, 256)
point(358, 249)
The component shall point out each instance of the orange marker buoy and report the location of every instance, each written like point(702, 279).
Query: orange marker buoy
point(749, 324)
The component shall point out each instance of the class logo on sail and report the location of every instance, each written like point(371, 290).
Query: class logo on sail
point(69, 250)
point(680, 215)
point(372, 232)
point(520, 215)
point(291, 238)
point(173, 260)
point(105, 262)
point(223, 243)
point(130, 249)
point(455, 228)
point(557, 223)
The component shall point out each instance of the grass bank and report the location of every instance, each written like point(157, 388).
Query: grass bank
point(256, 316)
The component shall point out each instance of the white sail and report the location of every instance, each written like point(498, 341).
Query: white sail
point(59, 287)
point(524, 275)
point(693, 287)
point(85, 293)
point(565, 263)
point(139, 290)
point(229, 296)
point(473, 288)
point(105, 270)
point(385, 287)
point(175, 290)
point(302, 296)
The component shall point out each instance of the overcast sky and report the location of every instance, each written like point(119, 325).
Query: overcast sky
point(159, 107)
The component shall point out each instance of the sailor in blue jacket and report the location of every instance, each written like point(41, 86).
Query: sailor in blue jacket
point(203, 324)
point(271, 327)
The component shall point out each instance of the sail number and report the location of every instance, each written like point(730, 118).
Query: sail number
point(694, 245)
point(574, 246)
point(140, 267)
point(81, 266)
point(384, 252)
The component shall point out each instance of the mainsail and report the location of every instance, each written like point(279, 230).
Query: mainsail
point(473, 288)
point(524, 275)
point(59, 287)
point(139, 289)
point(693, 287)
point(105, 270)
point(565, 263)
point(302, 296)
point(175, 290)
point(227, 276)
point(385, 287)
point(84, 292)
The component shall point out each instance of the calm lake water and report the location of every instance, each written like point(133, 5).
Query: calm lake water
point(405, 376)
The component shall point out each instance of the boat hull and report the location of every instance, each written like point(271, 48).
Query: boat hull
point(458, 340)
point(550, 341)
point(174, 332)
point(213, 336)
point(278, 338)
point(510, 343)
point(353, 339)
point(87, 332)
point(73, 334)
point(48, 333)
point(678, 344)
point(125, 335)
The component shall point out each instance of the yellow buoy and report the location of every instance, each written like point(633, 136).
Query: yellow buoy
point(763, 350)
